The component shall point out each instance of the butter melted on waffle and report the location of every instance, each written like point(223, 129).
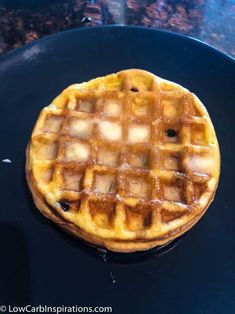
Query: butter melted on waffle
point(126, 156)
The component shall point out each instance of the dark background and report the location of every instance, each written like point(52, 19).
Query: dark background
point(26, 3)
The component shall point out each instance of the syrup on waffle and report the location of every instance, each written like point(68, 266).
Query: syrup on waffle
point(127, 161)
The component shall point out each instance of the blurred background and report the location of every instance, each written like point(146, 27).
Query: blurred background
point(212, 21)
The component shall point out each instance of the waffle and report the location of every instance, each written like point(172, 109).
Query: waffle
point(128, 161)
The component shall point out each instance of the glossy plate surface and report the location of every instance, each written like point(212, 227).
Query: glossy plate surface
point(41, 265)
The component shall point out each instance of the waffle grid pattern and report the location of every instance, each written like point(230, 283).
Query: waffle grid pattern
point(121, 162)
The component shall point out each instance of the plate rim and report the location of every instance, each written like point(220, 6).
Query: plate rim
point(46, 38)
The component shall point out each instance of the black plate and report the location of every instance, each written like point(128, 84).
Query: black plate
point(41, 265)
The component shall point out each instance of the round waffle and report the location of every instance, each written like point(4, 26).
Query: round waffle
point(127, 161)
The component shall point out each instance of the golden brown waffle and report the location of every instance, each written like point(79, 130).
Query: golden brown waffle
point(127, 161)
